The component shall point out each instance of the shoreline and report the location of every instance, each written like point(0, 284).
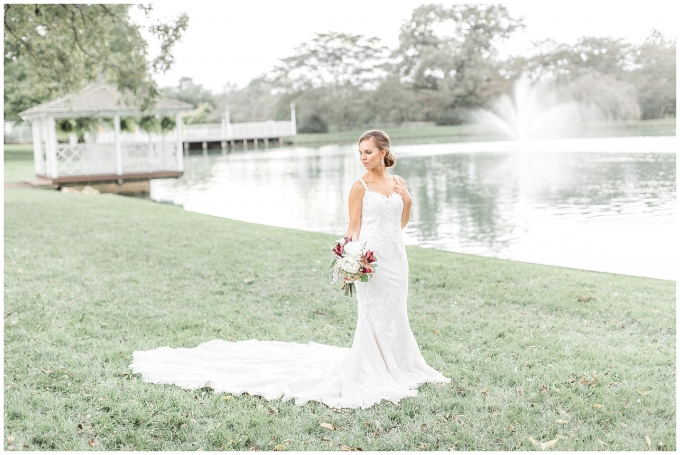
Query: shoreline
point(23, 152)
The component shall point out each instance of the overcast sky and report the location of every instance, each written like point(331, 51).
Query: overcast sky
point(236, 41)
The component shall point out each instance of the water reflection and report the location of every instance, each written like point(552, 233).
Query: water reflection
point(601, 211)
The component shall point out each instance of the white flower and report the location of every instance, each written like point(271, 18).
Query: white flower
point(340, 241)
point(348, 265)
point(353, 249)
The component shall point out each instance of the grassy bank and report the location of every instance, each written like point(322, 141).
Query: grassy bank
point(18, 162)
point(535, 353)
point(460, 133)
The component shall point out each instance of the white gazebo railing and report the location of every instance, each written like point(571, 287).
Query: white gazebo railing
point(100, 159)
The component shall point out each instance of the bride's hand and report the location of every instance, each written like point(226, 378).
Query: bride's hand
point(402, 190)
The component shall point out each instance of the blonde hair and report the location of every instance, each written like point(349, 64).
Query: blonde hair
point(382, 141)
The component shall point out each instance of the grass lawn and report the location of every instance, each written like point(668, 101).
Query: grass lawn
point(18, 162)
point(537, 354)
point(458, 133)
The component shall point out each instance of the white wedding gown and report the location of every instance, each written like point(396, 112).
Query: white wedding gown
point(384, 362)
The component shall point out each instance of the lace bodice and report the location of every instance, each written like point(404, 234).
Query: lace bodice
point(380, 214)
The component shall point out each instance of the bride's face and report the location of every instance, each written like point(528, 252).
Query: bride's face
point(369, 154)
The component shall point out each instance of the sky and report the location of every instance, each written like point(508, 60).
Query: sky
point(236, 41)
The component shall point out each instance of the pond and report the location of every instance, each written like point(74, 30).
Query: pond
point(594, 204)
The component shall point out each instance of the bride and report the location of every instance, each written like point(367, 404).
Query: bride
point(384, 362)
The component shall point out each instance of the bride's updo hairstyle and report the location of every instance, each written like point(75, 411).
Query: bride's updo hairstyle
point(382, 140)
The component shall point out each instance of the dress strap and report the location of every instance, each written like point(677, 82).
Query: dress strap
point(363, 183)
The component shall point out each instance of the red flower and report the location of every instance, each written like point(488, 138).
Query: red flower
point(338, 250)
point(370, 258)
point(367, 270)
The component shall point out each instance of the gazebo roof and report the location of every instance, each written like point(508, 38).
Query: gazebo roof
point(101, 99)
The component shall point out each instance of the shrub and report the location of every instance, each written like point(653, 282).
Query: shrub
point(313, 124)
point(454, 116)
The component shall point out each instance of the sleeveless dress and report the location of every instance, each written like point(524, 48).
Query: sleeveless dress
point(384, 362)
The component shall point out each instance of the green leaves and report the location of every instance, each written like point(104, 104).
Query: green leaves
point(51, 50)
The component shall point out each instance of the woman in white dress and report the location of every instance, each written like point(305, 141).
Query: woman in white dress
point(384, 362)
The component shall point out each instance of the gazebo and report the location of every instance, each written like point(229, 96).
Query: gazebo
point(85, 163)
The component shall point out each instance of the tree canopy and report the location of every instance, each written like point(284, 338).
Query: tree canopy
point(54, 49)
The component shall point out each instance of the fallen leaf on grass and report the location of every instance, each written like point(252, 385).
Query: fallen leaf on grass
point(92, 442)
point(10, 440)
point(559, 436)
point(228, 397)
point(330, 426)
point(533, 441)
point(345, 448)
point(597, 405)
point(280, 448)
point(649, 441)
point(644, 392)
point(561, 422)
point(253, 449)
point(485, 391)
point(549, 444)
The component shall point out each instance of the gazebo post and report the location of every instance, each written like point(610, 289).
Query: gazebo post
point(119, 156)
point(180, 151)
point(39, 164)
point(51, 147)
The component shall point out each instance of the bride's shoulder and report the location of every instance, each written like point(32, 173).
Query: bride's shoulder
point(358, 186)
point(399, 179)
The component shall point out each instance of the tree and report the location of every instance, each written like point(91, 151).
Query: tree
point(54, 49)
point(654, 76)
point(255, 102)
point(604, 97)
point(564, 63)
point(327, 76)
point(452, 51)
point(190, 93)
point(199, 115)
point(621, 80)
point(333, 60)
point(393, 102)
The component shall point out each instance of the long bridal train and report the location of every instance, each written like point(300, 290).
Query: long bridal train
point(286, 370)
point(384, 362)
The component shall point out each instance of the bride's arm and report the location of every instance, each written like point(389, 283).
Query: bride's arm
point(406, 196)
point(356, 195)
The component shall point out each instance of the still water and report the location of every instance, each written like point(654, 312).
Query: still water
point(595, 204)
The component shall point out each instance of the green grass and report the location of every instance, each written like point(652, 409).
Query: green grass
point(531, 349)
point(461, 133)
point(18, 162)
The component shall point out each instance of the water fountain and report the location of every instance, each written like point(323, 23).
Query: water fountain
point(534, 117)
point(532, 112)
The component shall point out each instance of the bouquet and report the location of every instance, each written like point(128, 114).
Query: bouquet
point(353, 263)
